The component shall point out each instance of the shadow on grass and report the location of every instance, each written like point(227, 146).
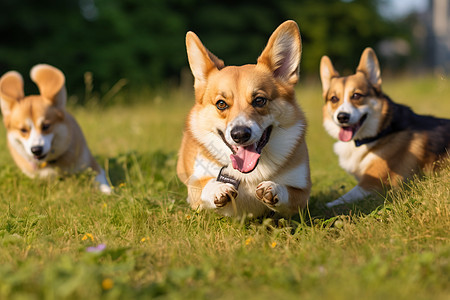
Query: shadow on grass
point(155, 174)
point(155, 169)
point(318, 209)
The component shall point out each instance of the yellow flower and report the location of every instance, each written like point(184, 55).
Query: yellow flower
point(87, 236)
point(122, 184)
point(188, 217)
point(145, 239)
point(107, 284)
point(105, 205)
point(248, 241)
point(273, 245)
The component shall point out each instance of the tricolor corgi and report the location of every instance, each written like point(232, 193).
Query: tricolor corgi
point(43, 138)
point(243, 151)
point(381, 143)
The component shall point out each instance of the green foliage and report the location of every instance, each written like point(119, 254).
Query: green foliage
point(142, 41)
point(156, 246)
point(339, 29)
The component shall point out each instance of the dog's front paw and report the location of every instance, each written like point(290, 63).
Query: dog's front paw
point(217, 194)
point(270, 193)
point(105, 189)
point(223, 197)
point(103, 184)
point(355, 194)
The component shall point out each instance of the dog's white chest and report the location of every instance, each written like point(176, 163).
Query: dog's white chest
point(246, 203)
point(353, 159)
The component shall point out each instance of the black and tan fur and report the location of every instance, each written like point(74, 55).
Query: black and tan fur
point(382, 143)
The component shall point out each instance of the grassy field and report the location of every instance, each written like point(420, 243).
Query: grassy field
point(64, 240)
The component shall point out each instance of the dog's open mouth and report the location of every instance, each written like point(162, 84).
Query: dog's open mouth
point(246, 158)
point(40, 157)
point(346, 133)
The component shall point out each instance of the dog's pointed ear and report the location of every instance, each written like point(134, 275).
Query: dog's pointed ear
point(51, 84)
point(201, 60)
point(11, 91)
point(327, 71)
point(283, 51)
point(369, 65)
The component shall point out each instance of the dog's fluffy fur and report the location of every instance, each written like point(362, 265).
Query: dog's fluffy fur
point(43, 138)
point(246, 119)
point(380, 142)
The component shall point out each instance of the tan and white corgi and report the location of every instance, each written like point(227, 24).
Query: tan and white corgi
point(243, 151)
point(380, 142)
point(43, 138)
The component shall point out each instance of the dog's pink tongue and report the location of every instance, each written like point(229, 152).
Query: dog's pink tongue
point(245, 159)
point(346, 133)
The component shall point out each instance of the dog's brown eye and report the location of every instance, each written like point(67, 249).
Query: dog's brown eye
point(24, 130)
point(45, 126)
point(259, 102)
point(221, 105)
point(357, 96)
point(334, 99)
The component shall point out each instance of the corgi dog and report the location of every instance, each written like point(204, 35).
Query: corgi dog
point(43, 138)
point(243, 150)
point(380, 142)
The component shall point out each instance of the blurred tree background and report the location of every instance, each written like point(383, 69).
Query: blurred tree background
point(143, 40)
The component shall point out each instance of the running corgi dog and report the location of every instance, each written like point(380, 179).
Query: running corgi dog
point(243, 151)
point(381, 143)
point(43, 138)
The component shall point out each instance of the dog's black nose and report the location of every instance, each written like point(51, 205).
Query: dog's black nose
point(343, 117)
point(241, 134)
point(37, 150)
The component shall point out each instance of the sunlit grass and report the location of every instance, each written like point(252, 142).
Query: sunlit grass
point(155, 245)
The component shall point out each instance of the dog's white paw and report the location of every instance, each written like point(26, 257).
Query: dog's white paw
point(271, 193)
point(105, 189)
point(103, 183)
point(217, 194)
point(355, 194)
point(336, 202)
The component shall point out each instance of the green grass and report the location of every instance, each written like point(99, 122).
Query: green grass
point(395, 247)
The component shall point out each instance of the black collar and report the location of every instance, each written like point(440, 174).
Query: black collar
point(228, 179)
point(384, 132)
point(46, 163)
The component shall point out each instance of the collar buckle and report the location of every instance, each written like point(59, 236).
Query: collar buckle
point(225, 178)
